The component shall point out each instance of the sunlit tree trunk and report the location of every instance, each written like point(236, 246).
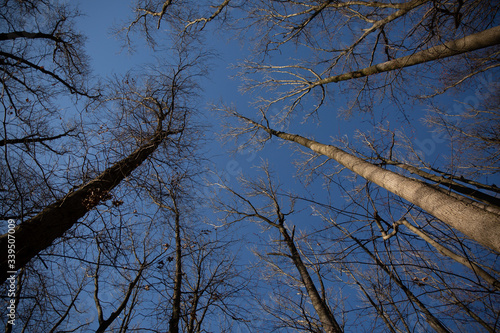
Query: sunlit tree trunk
point(469, 43)
point(491, 203)
point(478, 224)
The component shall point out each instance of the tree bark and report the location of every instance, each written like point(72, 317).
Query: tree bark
point(469, 43)
point(325, 315)
point(176, 303)
point(476, 223)
point(451, 184)
point(39, 232)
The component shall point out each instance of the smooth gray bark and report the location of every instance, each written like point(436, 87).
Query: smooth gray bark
point(486, 38)
point(478, 224)
point(451, 184)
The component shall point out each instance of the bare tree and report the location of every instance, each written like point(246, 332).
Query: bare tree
point(355, 40)
point(411, 271)
point(186, 19)
point(274, 217)
point(424, 254)
point(205, 283)
point(42, 61)
point(473, 131)
point(164, 106)
point(474, 221)
point(107, 220)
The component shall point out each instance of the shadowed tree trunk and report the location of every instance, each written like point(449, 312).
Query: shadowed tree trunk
point(38, 233)
point(325, 315)
point(105, 323)
point(176, 303)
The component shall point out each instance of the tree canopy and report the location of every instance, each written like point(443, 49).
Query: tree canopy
point(349, 185)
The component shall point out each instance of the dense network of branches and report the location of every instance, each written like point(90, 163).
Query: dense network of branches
point(122, 222)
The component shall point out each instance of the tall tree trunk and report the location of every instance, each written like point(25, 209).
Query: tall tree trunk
point(39, 232)
point(469, 43)
point(325, 315)
point(480, 225)
point(492, 203)
point(176, 303)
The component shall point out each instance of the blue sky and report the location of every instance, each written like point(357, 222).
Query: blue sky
point(109, 57)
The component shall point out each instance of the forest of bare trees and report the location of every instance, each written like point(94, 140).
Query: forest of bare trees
point(349, 186)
